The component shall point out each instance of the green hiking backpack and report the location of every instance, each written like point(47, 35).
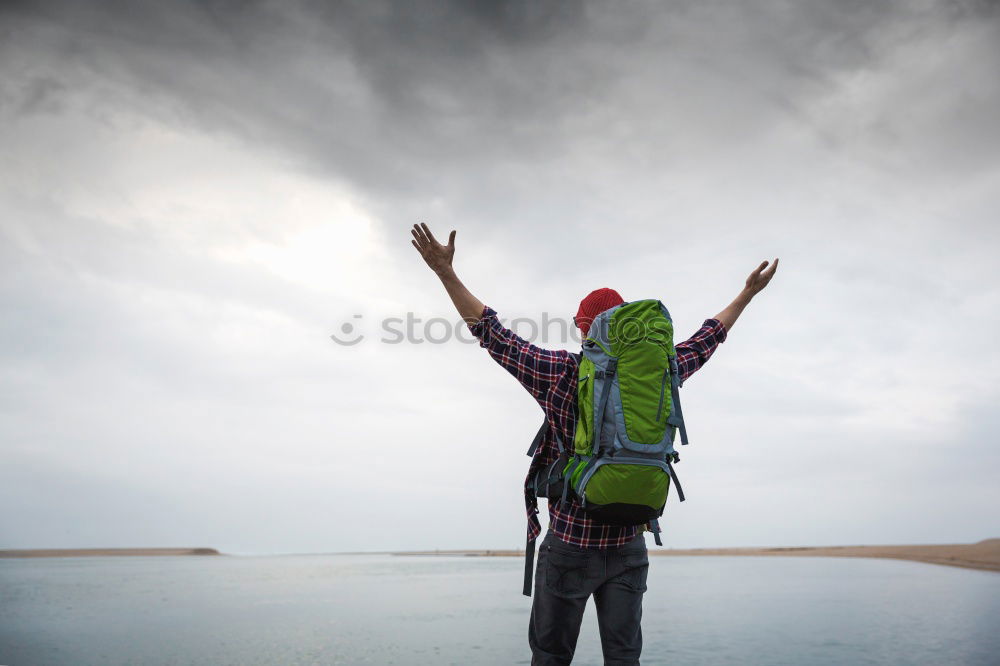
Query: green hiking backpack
point(628, 413)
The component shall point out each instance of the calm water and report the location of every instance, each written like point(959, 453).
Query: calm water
point(379, 609)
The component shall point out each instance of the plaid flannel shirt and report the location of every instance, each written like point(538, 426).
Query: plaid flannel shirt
point(550, 377)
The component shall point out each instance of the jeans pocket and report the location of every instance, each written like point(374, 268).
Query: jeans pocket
point(566, 572)
point(635, 571)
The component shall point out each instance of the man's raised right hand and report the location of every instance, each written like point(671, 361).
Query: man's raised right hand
point(436, 255)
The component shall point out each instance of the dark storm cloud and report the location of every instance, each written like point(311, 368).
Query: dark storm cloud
point(401, 97)
point(521, 114)
point(362, 88)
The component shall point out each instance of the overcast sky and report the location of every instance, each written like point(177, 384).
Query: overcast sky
point(194, 197)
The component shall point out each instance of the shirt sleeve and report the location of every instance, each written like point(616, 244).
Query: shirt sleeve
point(696, 350)
point(535, 368)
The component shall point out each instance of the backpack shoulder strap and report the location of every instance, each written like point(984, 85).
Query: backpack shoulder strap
point(539, 436)
point(654, 527)
point(529, 564)
point(676, 415)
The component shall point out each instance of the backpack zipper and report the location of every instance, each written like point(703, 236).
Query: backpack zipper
point(663, 385)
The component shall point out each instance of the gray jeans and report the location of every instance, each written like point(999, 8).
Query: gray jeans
point(565, 578)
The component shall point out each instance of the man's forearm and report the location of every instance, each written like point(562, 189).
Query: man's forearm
point(469, 307)
point(732, 311)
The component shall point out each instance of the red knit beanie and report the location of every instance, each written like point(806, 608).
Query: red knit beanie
point(594, 304)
